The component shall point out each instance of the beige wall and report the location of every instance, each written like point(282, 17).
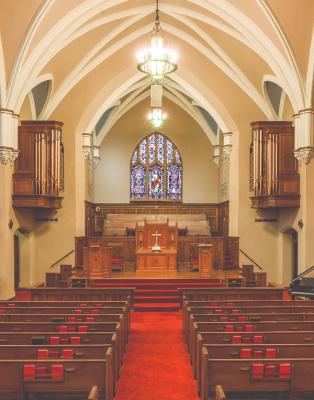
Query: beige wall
point(200, 174)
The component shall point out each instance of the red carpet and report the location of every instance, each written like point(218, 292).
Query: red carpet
point(156, 365)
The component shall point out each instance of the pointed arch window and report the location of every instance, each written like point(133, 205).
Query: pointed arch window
point(156, 171)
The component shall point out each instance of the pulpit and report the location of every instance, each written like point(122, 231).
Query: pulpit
point(97, 261)
point(156, 245)
point(205, 257)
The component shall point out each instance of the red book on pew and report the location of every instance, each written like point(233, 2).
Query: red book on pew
point(54, 340)
point(1, 311)
point(71, 319)
point(62, 328)
point(258, 339)
point(67, 353)
point(29, 372)
point(270, 353)
point(246, 353)
point(82, 328)
point(11, 305)
point(42, 353)
point(285, 371)
point(57, 372)
point(98, 305)
point(241, 318)
point(229, 328)
point(72, 329)
point(235, 311)
point(77, 311)
point(249, 328)
point(90, 319)
point(236, 339)
point(257, 372)
point(75, 340)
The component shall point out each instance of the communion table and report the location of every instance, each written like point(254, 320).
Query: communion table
point(156, 245)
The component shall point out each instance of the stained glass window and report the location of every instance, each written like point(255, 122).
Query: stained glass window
point(156, 170)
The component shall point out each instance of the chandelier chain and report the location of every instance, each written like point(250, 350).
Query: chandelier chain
point(157, 13)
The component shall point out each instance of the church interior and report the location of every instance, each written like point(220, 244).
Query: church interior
point(156, 199)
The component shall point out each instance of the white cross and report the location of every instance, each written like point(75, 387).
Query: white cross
point(156, 234)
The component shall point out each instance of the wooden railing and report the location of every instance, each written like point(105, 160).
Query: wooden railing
point(251, 259)
point(62, 258)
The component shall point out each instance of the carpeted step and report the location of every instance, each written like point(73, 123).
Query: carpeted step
point(153, 292)
point(156, 299)
point(152, 307)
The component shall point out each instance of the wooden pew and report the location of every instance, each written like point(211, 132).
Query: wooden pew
point(94, 393)
point(67, 379)
point(44, 339)
point(231, 294)
point(267, 326)
point(256, 375)
point(236, 310)
point(79, 294)
point(235, 351)
point(246, 319)
point(39, 352)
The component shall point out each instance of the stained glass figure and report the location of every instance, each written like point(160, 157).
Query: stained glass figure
point(134, 157)
point(156, 182)
point(151, 149)
point(169, 152)
point(174, 182)
point(161, 149)
point(177, 156)
point(156, 170)
point(138, 182)
point(143, 146)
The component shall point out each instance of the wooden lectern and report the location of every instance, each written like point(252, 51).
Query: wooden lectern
point(205, 256)
point(97, 261)
point(156, 245)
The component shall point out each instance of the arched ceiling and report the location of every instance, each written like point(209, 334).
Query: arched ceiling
point(88, 49)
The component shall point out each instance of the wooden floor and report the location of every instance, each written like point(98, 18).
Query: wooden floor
point(158, 273)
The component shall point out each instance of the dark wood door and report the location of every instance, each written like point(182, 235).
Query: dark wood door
point(294, 238)
point(16, 261)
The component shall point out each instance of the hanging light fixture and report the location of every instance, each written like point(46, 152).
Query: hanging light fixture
point(157, 117)
point(157, 61)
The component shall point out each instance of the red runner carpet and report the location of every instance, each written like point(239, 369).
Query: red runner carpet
point(156, 365)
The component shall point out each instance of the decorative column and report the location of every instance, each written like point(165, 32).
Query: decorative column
point(225, 152)
point(8, 153)
point(304, 135)
point(8, 135)
point(304, 151)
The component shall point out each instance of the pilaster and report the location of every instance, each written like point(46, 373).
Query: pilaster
point(8, 135)
point(304, 135)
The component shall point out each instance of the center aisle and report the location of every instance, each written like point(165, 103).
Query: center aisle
point(156, 364)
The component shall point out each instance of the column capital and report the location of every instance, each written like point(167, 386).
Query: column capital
point(304, 135)
point(9, 122)
point(304, 154)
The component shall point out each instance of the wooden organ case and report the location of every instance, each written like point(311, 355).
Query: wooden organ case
point(274, 173)
point(38, 175)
